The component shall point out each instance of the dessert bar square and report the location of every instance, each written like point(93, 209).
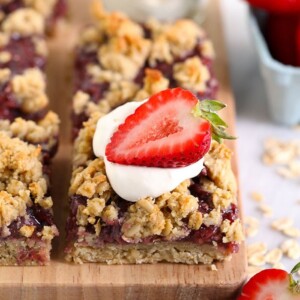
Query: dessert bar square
point(197, 222)
point(26, 222)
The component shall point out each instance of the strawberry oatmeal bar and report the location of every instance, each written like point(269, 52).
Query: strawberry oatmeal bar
point(117, 57)
point(149, 185)
point(28, 139)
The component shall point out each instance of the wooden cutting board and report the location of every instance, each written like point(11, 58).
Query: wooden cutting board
point(61, 280)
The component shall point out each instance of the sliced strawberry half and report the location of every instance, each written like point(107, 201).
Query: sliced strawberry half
point(163, 132)
point(272, 284)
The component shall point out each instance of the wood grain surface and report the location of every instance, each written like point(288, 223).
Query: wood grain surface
point(61, 280)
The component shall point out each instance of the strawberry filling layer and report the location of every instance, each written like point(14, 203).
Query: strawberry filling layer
point(111, 233)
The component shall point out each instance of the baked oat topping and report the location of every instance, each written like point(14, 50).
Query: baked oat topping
point(115, 23)
point(21, 176)
point(27, 230)
point(192, 74)
point(124, 55)
point(174, 40)
point(154, 82)
point(4, 39)
point(233, 231)
point(29, 89)
point(5, 57)
point(45, 8)
point(5, 75)
point(25, 22)
point(218, 165)
point(41, 132)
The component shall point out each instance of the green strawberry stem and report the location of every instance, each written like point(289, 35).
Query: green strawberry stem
point(207, 109)
point(294, 284)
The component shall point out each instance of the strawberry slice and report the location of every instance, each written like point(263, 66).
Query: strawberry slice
point(272, 284)
point(170, 130)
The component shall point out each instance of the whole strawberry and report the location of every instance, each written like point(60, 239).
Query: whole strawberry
point(272, 284)
point(172, 129)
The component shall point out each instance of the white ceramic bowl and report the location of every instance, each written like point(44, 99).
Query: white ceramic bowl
point(282, 82)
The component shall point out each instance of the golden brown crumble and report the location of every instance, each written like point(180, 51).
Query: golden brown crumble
point(83, 151)
point(25, 22)
point(124, 55)
point(29, 89)
point(45, 8)
point(207, 49)
point(27, 230)
point(21, 177)
point(143, 219)
point(4, 75)
point(115, 23)
point(174, 40)
point(4, 39)
point(5, 57)
point(45, 131)
point(218, 165)
point(91, 181)
point(154, 82)
point(233, 231)
point(192, 74)
point(49, 232)
point(41, 47)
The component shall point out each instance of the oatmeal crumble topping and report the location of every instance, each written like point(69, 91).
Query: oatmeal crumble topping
point(5, 57)
point(154, 82)
point(44, 7)
point(45, 130)
point(5, 75)
point(27, 230)
point(30, 90)
point(25, 22)
point(192, 74)
point(22, 178)
point(218, 164)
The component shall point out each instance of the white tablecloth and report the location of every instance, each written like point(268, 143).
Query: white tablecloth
point(254, 126)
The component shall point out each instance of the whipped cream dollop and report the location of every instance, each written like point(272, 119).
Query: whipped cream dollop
point(135, 182)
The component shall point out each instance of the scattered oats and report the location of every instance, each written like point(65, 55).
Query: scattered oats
point(292, 232)
point(282, 223)
point(280, 152)
point(256, 196)
point(291, 248)
point(274, 256)
point(257, 259)
point(253, 270)
point(266, 210)
point(256, 248)
point(214, 267)
point(251, 226)
point(289, 172)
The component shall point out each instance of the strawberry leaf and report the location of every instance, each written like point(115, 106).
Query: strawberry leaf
point(207, 109)
point(296, 268)
point(211, 105)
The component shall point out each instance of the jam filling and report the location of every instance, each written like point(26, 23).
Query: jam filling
point(111, 233)
point(23, 55)
point(35, 216)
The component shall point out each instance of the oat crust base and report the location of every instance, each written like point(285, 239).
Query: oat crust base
point(172, 252)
